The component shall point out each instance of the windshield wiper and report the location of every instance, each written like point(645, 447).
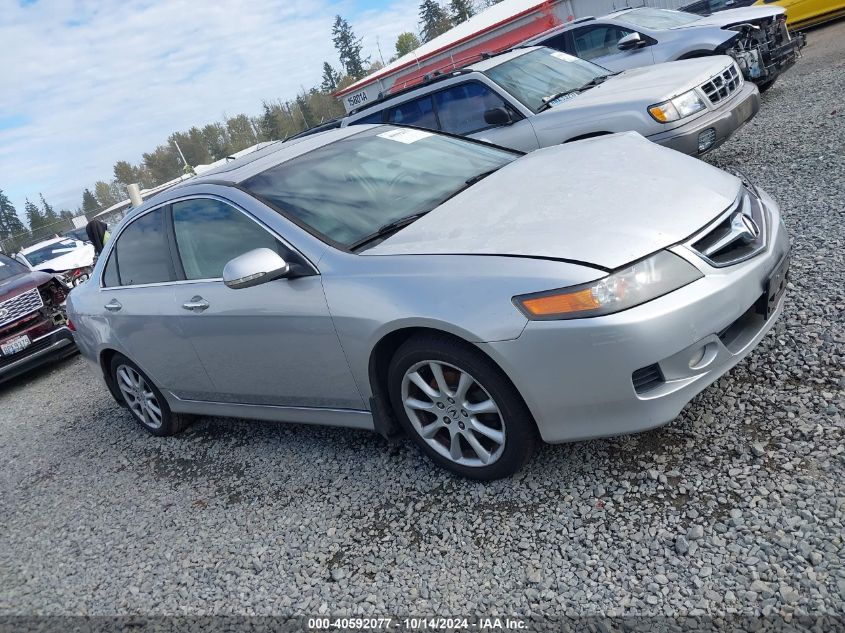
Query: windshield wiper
point(595, 81)
point(401, 223)
point(387, 229)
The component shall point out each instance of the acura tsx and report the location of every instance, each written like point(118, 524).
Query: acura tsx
point(476, 298)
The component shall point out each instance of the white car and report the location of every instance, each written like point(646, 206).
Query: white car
point(66, 257)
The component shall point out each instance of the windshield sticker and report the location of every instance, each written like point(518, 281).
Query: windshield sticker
point(405, 136)
point(564, 56)
point(562, 98)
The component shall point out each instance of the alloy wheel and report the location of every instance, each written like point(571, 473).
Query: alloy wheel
point(453, 413)
point(139, 396)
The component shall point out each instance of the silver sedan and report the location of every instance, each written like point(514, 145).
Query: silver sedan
point(475, 298)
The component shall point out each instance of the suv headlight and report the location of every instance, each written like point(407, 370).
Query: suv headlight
point(648, 279)
point(680, 107)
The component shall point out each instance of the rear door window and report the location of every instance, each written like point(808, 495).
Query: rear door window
point(376, 117)
point(419, 112)
point(143, 253)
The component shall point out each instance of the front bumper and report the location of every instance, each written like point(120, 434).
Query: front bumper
point(56, 344)
point(576, 375)
point(724, 120)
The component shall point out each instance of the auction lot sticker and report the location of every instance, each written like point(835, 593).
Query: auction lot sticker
point(405, 136)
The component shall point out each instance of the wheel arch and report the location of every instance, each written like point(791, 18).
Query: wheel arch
point(105, 359)
point(697, 53)
point(582, 137)
point(382, 353)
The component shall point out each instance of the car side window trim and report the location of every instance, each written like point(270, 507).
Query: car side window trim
point(111, 249)
point(176, 261)
point(494, 89)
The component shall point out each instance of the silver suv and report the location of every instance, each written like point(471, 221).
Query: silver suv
point(537, 97)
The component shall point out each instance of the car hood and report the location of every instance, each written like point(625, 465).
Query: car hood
point(77, 258)
point(735, 16)
point(13, 286)
point(650, 83)
point(605, 201)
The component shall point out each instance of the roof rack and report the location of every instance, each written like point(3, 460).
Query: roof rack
point(452, 68)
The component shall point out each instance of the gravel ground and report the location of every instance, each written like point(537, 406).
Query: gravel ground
point(735, 507)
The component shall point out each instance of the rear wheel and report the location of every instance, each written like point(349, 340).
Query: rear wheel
point(144, 399)
point(459, 408)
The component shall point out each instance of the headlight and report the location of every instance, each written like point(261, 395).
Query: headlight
point(648, 279)
point(680, 107)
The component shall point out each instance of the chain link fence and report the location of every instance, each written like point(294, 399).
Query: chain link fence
point(14, 243)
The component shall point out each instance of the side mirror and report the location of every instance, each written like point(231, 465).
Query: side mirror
point(630, 41)
point(253, 268)
point(497, 116)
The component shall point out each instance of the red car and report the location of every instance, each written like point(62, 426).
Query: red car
point(33, 322)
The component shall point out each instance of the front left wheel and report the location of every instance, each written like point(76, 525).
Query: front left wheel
point(144, 400)
point(459, 408)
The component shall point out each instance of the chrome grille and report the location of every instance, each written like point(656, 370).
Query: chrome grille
point(739, 234)
point(723, 85)
point(16, 307)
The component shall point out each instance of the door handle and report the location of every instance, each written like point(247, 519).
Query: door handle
point(113, 306)
point(196, 304)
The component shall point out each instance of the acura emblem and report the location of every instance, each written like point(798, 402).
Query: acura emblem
point(746, 226)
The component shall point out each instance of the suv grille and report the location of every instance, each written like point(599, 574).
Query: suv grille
point(16, 307)
point(738, 235)
point(723, 85)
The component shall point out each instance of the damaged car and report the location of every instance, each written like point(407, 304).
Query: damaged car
point(33, 320)
point(69, 258)
point(756, 37)
point(476, 298)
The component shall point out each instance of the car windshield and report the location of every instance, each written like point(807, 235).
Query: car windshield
point(348, 190)
point(646, 18)
point(543, 73)
point(51, 251)
point(10, 268)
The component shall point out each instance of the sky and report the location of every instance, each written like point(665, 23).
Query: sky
point(84, 84)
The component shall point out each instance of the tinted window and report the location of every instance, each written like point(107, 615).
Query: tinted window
point(418, 112)
point(110, 278)
point(557, 42)
point(347, 189)
point(143, 256)
point(598, 41)
point(9, 267)
point(461, 108)
point(376, 117)
point(209, 233)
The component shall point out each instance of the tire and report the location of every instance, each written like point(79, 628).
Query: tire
point(131, 382)
point(764, 86)
point(492, 441)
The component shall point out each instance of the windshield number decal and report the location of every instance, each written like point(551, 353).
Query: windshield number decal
point(404, 135)
point(563, 56)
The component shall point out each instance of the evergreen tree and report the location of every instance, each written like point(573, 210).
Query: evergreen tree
point(433, 20)
point(50, 216)
point(330, 78)
point(34, 216)
point(10, 223)
point(462, 10)
point(348, 48)
point(108, 194)
point(66, 215)
point(89, 202)
point(406, 43)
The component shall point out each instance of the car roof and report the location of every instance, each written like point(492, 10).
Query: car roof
point(240, 169)
point(276, 153)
